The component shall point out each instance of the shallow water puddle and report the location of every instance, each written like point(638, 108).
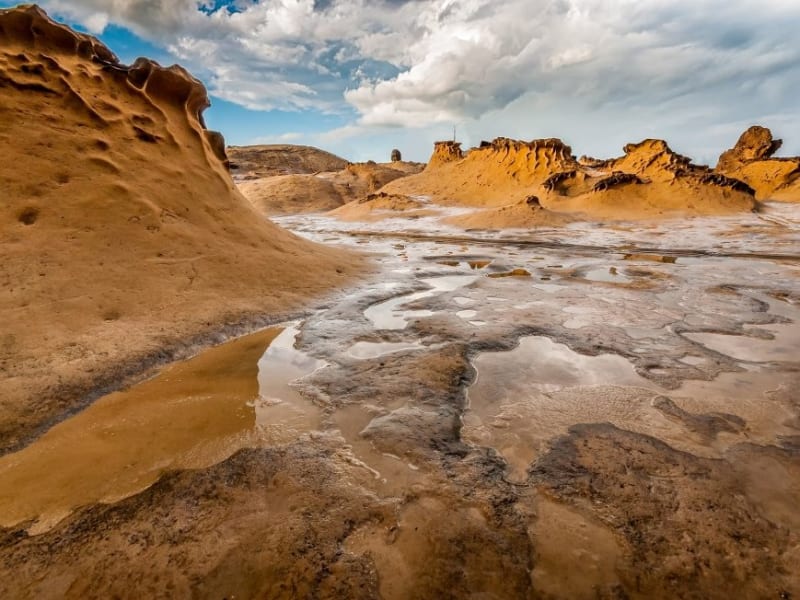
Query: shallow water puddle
point(784, 347)
point(280, 409)
point(390, 474)
point(387, 314)
point(193, 414)
point(524, 397)
point(606, 275)
point(377, 349)
point(758, 397)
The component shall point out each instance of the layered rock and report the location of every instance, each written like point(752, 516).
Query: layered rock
point(445, 152)
point(492, 174)
point(653, 159)
point(756, 143)
point(528, 162)
point(649, 180)
point(123, 234)
point(751, 160)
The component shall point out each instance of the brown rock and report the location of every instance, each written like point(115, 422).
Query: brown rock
point(751, 161)
point(254, 162)
point(754, 144)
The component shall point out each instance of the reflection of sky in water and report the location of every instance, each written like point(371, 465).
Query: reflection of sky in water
point(541, 363)
point(376, 349)
point(282, 364)
point(386, 315)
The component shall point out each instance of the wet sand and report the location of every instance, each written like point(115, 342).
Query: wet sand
point(609, 426)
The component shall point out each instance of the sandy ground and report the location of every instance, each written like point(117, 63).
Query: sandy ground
point(561, 411)
point(619, 423)
point(125, 241)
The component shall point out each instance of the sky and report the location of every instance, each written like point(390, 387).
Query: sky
point(361, 77)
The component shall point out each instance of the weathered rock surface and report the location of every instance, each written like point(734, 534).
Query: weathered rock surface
point(751, 160)
point(124, 238)
point(255, 162)
point(321, 192)
point(649, 180)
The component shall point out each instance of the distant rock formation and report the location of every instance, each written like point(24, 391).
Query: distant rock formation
point(445, 152)
point(751, 160)
point(754, 144)
point(396, 156)
point(653, 159)
point(649, 180)
point(254, 162)
point(530, 162)
point(319, 192)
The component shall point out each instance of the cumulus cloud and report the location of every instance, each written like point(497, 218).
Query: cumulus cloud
point(413, 63)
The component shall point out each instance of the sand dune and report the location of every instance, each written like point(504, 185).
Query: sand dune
point(320, 192)
point(648, 181)
point(123, 234)
point(751, 160)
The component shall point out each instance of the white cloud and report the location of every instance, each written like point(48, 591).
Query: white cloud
point(633, 65)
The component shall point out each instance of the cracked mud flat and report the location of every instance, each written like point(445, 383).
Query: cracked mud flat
point(622, 422)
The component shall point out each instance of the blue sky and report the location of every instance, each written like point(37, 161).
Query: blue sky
point(360, 77)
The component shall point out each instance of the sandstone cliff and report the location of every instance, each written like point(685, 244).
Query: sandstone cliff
point(122, 232)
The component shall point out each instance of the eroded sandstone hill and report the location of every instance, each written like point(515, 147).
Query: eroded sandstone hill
point(319, 192)
point(254, 162)
point(543, 176)
point(123, 234)
point(751, 160)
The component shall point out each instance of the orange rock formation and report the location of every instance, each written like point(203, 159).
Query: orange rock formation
point(649, 180)
point(122, 232)
point(318, 192)
point(751, 160)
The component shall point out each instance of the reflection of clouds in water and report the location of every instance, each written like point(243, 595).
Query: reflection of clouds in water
point(283, 357)
point(280, 366)
point(540, 363)
point(389, 314)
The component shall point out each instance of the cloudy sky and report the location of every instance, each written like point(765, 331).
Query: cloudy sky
point(360, 77)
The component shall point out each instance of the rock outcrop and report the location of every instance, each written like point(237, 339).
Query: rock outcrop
point(653, 159)
point(320, 192)
point(255, 162)
point(445, 152)
point(396, 155)
point(751, 160)
point(756, 143)
point(649, 180)
point(123, 234)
